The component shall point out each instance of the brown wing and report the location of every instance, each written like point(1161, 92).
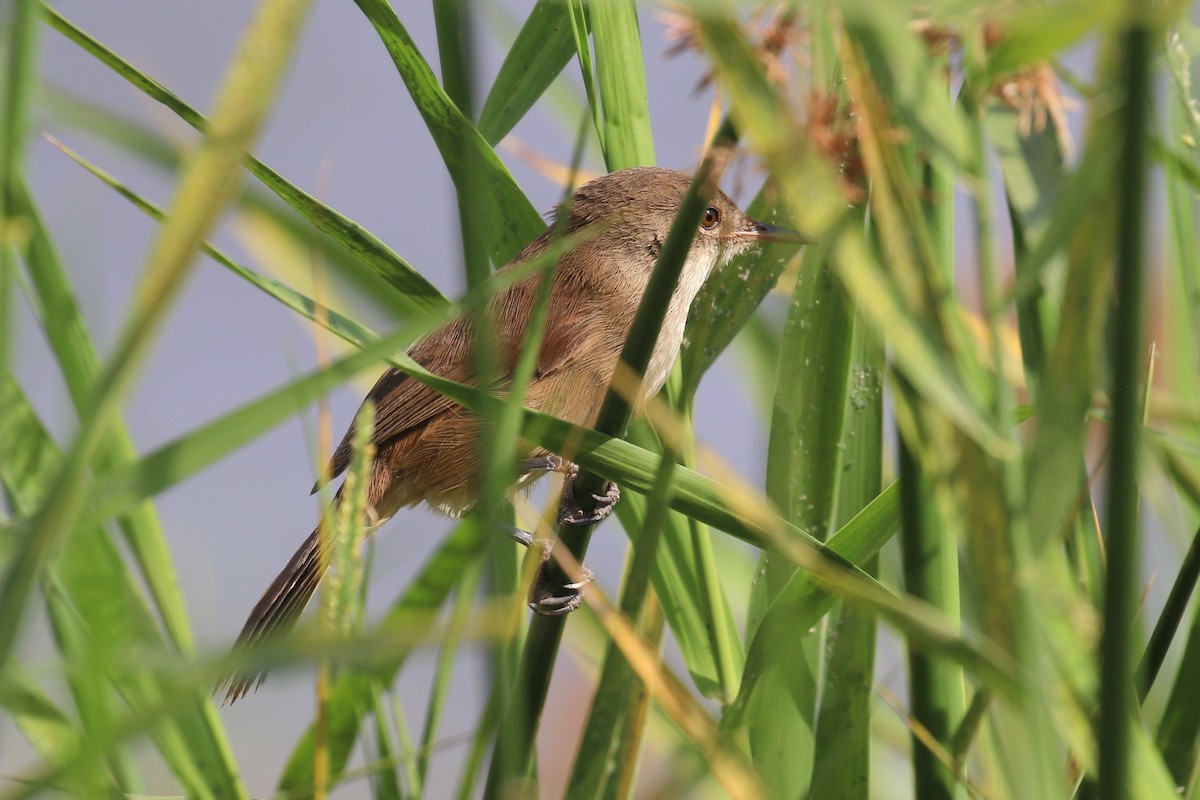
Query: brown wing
point(403, 404)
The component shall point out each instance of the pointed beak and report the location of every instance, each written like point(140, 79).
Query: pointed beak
point(762, 232)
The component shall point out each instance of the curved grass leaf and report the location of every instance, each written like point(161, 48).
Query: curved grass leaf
point(16, 89)
point(418, 292)
point(542, 48)
point(147, 144)
point(80, 366)
point(205, 187)
point(507, 221)
point(88, 583)
point(44, 725)
point(334, 321)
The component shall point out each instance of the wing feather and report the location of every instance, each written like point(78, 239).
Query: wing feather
point(403, 404)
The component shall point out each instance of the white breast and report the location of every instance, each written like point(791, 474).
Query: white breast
point(695, 271)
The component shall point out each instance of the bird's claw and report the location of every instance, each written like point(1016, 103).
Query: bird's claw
point(571, 514)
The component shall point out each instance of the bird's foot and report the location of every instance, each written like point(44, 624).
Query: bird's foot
point(546, 598)
point(571, 513)
point(554, 601)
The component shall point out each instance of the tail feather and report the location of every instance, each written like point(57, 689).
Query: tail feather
point(276, 612)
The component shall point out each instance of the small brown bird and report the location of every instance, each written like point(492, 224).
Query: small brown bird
point(427, 446)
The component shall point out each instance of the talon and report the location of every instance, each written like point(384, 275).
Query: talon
point(522, 537)
point(585, 577)
point(556, 606)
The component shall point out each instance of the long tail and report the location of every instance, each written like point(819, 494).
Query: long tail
point(277, 611)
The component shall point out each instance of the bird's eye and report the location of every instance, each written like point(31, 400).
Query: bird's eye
point(712, 218)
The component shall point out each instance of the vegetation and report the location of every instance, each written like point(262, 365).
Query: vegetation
point(996, 527)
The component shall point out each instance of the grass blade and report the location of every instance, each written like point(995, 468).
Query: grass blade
point(412, 286)
point(507, 220)
point(621, 81)
point(805, 435)
point(350, 696)
point(205, 186)
point(80, 366)
point(15, 92)
point(88, 582)
point(842, 749)
point(542, 48)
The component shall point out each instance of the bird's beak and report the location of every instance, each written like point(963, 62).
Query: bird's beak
point(762, 232)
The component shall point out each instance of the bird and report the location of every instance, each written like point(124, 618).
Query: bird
point(427, 446)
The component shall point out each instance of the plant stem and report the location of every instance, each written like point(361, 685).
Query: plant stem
point(1116, 654)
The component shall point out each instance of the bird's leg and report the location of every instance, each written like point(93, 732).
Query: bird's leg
point(545, 598)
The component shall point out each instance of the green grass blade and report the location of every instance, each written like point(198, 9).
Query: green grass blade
point(1167, 626)
point(417, 291)
point(842, 750)
point(456, 58)
point(580, 26)
point(385, 774)
point(1039, 33)
point(802, 602)
point(507, 220)
point(479, 745)
point(1180, 724)
point(709, 640)
point(88, 579)
point(206, 185)
point(911, 79)
point(1034, 175)
point(806, 431)
point(53, 736)
point(349, 699)
point(1182, 275)
point(192, 452)
point(43, 724)
point(1058, 446)
point(464, 605)
point(542, 48)
point(16, 89)
point(612, 721)
point(621, 83)
point(332, 320)
point(81, 642)
point(627, 749)
point(148, 145)
point(929, 548)
point(916, 353)
point(675, 581)
point(80, 365)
